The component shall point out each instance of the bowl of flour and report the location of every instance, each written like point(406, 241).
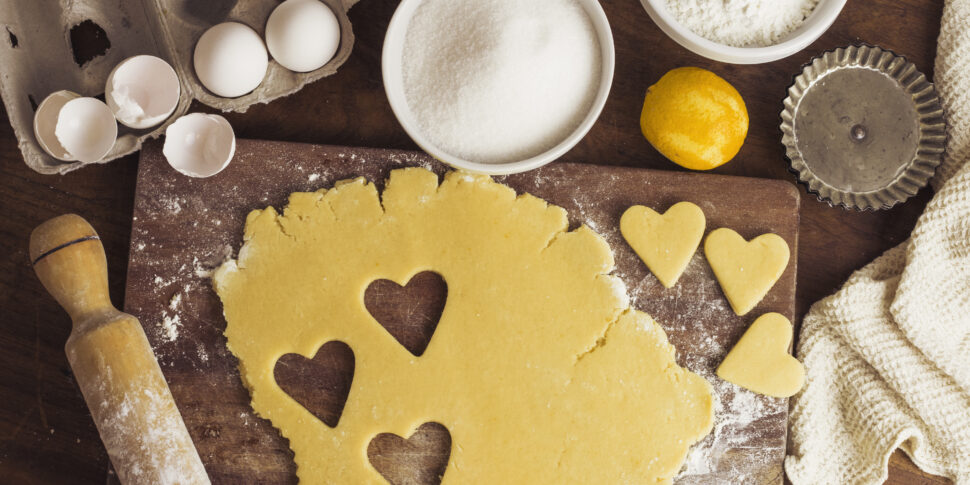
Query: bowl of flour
point(498, 86)
point(744, 31)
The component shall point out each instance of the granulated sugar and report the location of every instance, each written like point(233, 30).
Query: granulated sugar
point(742, 23)
point(496, 81)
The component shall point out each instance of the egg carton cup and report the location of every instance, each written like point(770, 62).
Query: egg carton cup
point(38, 58)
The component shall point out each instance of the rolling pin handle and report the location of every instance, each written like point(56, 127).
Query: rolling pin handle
point(113, 363)
point(69, 260)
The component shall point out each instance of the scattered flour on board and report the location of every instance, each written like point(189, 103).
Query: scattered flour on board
point(204, 270)
point(171, 204)
point(200, 270)
point(170, 327)
point(171, 321)
point(174, 303)
point(162, 282)
point(200, 351)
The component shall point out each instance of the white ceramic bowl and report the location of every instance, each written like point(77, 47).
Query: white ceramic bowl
point(391, 65)
point(814, 26)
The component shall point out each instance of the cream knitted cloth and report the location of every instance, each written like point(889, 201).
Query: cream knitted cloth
point(888, 356)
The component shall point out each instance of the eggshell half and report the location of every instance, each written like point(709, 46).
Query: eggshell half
point(302, 35)
point(86, 128)
point(142, 91)
point(45, 121)
point(230, 59)
point(199, 145)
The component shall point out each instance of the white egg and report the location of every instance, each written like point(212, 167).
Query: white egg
point(45, 120)
point(142, 91)
point(302, 35)
point(230, 59)
point(199, 145)
point(86, 129)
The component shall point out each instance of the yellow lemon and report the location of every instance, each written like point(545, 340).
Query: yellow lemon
point(694, 118)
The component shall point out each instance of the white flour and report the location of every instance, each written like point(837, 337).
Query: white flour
point(741, 23)
point(495, 81)
point(171, 321)
point(170, 327)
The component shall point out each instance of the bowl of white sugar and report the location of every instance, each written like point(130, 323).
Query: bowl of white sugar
point(498, 86)
point(744, 31)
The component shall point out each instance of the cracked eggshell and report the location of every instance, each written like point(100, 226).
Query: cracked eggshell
point(230, 59)
point(302, 35)
point(199, 145)
point(45, 121)
point(86, 129)
point(142, 91)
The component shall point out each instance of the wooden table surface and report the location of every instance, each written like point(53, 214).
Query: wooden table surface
point(46, 434)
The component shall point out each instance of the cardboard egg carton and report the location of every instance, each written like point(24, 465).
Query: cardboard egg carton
point(38, 58)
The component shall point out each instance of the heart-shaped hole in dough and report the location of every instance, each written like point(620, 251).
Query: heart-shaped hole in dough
point(420, 459)
point(409, 313)
point(320, 384)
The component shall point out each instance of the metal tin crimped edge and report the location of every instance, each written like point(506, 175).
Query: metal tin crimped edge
point(932, 126)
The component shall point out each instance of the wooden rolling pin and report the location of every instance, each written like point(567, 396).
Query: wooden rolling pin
point(112, 361)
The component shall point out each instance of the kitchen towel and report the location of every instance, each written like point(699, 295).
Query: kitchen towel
point(888, 356)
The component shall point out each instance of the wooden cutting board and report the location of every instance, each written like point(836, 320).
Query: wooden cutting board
point(183, 228)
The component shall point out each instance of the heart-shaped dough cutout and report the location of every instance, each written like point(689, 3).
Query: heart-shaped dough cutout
point(420, 459)
point(410, 313)
point(760, 361)
point(666, 243)
point(746, 270)
point(321, 384)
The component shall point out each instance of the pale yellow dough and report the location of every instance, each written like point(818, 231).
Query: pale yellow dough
point(760, 361)
point(746, 270)
point(666, 243)
point(539, 368)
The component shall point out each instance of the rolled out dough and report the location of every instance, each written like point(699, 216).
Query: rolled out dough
point(539, 368)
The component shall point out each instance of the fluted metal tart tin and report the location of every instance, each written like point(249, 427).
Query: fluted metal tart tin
point(863, 128)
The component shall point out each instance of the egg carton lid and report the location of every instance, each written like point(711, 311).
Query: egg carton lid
point(38, 59)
